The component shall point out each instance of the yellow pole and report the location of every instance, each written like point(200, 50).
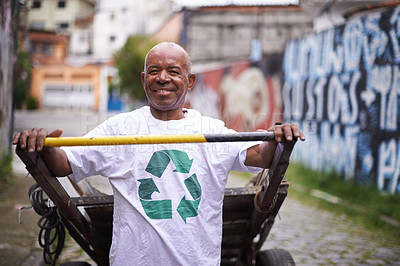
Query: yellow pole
point(123, 140)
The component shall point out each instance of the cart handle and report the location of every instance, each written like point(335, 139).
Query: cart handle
point(158, 139)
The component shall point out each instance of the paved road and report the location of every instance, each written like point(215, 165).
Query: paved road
point(311, 235)
point(73, 122)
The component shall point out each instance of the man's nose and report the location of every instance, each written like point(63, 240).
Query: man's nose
point(163, 77)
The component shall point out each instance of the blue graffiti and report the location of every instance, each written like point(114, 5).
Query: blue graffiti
point(365, 157)
point(394, 34)
point(374, 40)
point(389, 166)
point(346, 80)
point(353, 32)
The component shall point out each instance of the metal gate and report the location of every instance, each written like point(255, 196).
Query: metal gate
point(75, 96)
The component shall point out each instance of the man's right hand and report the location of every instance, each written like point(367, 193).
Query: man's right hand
point(34, 139)
point(55, 158)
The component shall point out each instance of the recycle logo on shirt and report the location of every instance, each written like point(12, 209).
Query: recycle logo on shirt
point(162, 209)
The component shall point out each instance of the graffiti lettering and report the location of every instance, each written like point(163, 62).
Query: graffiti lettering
point(392, 111)
point(377, 45)
point(394, 33)
point(347, 81)
point(389, 166)
point(352, 44)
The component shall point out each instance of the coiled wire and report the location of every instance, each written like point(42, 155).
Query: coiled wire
point(52, 232)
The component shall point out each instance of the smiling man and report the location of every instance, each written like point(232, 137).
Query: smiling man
point(167, 197)
point(166, 80)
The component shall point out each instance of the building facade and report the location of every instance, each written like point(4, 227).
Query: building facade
point(56, 84)
point(67, 87)
point(115, 21)
point(237, 54)
point(57, 30)
point(73, 43)
point(230, 33)
point(58, 15)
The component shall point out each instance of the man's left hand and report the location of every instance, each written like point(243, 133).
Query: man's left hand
point(287, 131)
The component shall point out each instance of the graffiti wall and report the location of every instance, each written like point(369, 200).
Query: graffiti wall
point(8, 24)
point(342, 86)
point(247, 96)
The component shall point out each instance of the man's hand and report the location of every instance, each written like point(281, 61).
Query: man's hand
point(289, 131)
point(34, 139)
point(261, 155)
point(54, 157)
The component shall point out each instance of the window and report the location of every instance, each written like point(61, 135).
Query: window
point(61, 4)
point(112, 38)
point(36, 4)
point(82, 37)
point(46, 48)
point(68, 95)
point(37, 25)
point(33, 47)
point(62, 25)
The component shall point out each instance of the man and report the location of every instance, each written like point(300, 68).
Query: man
point(167, 197)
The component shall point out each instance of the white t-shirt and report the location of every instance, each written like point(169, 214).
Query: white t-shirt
point(167, 197)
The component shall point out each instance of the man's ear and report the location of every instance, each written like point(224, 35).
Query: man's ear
point(142, 78)
point(191, 81)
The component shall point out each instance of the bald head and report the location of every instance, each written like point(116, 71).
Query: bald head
point(171, 45)
point(166, 80)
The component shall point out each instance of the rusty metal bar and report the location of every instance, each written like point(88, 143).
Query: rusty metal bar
point(277, 171)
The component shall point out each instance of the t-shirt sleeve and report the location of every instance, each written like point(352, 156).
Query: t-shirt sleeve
point(92, 160)
point(236, 149)
point(241, 158)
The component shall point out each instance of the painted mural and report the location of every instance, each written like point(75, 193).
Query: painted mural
point(247, 96)
point(342, 86)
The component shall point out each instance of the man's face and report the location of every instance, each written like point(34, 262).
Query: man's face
point(166, 79)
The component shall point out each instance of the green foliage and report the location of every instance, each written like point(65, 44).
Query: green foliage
point(130, 63)
point(5, 167)
point(23, 71)
point(31, 103)
point(364, 204)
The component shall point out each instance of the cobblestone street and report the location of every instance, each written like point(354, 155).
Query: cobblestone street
point(313, 236)
point(318, 237)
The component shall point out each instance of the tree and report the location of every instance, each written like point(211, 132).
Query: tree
point(129, 61)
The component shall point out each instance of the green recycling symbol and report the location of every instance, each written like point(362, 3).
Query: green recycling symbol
point(162, 209)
